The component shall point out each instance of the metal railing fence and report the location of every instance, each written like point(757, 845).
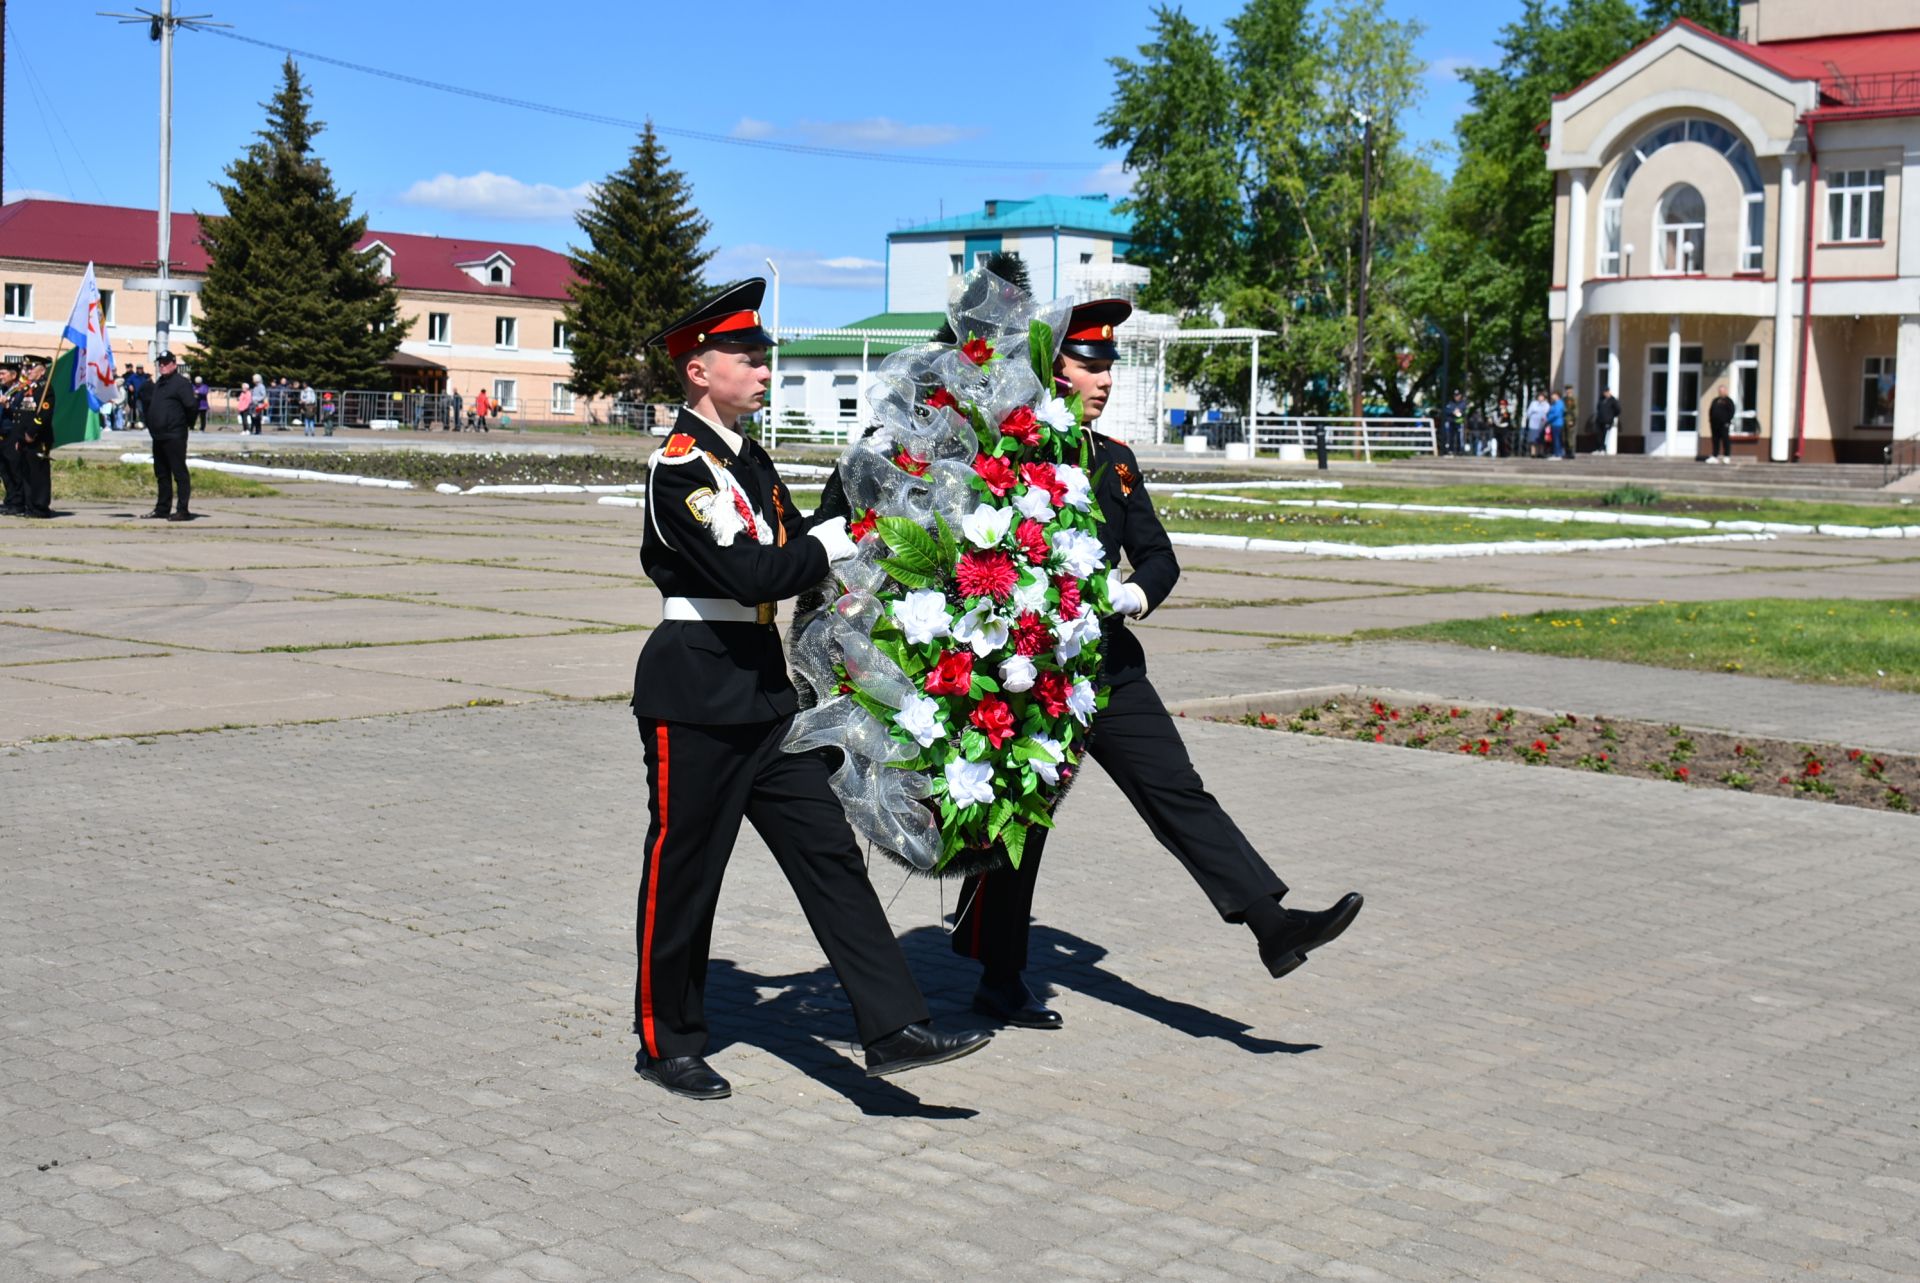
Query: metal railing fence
point(1348, 435)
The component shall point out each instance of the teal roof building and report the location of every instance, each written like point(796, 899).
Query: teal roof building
point(1052, 234)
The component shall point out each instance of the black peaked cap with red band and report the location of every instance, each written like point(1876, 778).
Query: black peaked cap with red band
point(1090, 329)
point(731, 316)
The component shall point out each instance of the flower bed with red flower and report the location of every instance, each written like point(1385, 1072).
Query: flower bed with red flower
point(968, 627)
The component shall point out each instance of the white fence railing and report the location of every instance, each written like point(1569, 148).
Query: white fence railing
point(1357, 436)
point(798, 427)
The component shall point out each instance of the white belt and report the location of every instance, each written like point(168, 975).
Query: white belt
point(717, 610)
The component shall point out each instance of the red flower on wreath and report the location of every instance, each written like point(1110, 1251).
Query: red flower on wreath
point(994, 718)
point(1051, 688)
point(908, 462)
point(1031, 635)
point(996, 472)
point(1069, 596)
point(943, 400)
point(1040, 477)
point(1021, 426)
point(976, 350)
point(868, 521)
point(953, 675)
point(987, 574)
point(1032, 538)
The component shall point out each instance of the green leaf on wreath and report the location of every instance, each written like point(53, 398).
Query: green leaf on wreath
point(1040, 352)
point(973, 745)
point(981, 682)
point(907, 575)
point(997, 817)
point(949, 547)
point(1015, 840)
point(914, 548)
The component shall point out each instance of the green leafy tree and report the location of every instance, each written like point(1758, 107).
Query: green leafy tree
point(286, 293)
point(641, 268)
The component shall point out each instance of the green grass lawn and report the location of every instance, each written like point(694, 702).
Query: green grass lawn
point(82, 478)
point(1375, 529)
point(1708, 508)
point(1860, 643)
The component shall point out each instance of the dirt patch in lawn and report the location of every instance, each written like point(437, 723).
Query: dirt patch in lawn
point(1615, 746)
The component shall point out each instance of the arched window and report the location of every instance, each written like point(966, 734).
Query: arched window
point(1708, 134)
point(1680, 230)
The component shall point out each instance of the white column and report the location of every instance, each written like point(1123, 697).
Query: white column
point(1786, 259)
point(1906, 364)
point(1613, 378)
point(1670, 445)
point(1570, 361)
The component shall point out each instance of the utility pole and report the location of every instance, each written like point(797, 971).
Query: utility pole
point(160, 29)
point(1358, 377)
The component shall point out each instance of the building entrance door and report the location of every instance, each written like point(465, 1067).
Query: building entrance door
point(1684, 441)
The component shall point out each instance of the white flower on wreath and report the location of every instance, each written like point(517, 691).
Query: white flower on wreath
point(986, 525)
point(922, 616)
point(1036, 503)
point(1080, 701)
point(969, 782)
point(1048, 771)
point(1055, 414)
point(921, 719)
point(1079, 489)
point(1030, 594)
point(981, 629)
point(1080, 553)
point(1017, 673)
point(1071, 635)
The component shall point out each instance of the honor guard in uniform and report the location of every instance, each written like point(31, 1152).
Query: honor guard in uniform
point(36, 440)
point(1133, 738)
point(13, 428)
point(724, 542)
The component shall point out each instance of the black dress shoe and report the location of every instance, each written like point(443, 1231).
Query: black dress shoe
point(919, 1045)
point(689, 1076)
point(41, 514)
point(158, 514)
point(1287, 948)
point(181, 516)
point(1014, 1004)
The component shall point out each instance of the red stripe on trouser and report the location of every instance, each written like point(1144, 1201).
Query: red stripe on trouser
point(653, 897)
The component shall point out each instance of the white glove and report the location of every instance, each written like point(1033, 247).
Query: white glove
point(1126, 598)
point(833, 537)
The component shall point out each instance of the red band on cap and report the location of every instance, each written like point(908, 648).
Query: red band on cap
point(1091, 333)
point(689, 337)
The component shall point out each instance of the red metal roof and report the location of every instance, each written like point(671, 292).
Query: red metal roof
point(118, 237)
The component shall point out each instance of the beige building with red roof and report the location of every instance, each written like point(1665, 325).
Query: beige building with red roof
point(486, 314)
point(1734, 212)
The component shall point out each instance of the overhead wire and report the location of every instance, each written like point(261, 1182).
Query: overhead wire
point(42, 101)
point(699, 135)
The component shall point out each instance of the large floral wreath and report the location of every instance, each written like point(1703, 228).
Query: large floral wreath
point(961, 646)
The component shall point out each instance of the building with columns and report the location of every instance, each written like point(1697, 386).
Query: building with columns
point(1729, 213)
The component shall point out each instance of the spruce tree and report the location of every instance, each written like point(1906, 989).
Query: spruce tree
point(640, 269)
point(286, 293)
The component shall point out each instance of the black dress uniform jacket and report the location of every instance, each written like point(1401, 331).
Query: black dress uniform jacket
point(725, 673)
point(1130, 526)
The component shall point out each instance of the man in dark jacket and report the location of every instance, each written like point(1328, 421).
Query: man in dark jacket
point(13, 430)
point(1606, 416)
point(35, 429)
point(1720, 417)
point(169, 412)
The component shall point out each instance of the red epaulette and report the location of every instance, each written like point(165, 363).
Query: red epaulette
point(678, 444)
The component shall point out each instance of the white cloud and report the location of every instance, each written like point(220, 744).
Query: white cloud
point(1450, 67)
point(748, 127)
point(35, 193)
point(497, 196)
point(875, 132)
point(1113, 178)
point(799, 267)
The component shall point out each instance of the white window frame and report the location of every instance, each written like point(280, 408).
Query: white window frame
point(107, 303)
point(562, 337)
point(19, 301)
point(1856, 206)
point(180, 312)
point(1746, 418)
point(1601, 378)
point(1657, 361)
point(1875, 367)
point(1665, 230)
point(506, 395)
point(510, 325)
point(1608, 263)
point(562, 399)
point(954, 263)
point(440, 335)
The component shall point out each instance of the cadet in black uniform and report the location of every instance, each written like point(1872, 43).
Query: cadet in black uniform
point(723, 543)
point(36, 441)
point(13, 427)
point(1134, 740)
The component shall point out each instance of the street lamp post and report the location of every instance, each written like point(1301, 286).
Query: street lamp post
point(1366, 261)
point(773, 392)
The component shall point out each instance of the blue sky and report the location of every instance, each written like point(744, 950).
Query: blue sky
point(1017, 85)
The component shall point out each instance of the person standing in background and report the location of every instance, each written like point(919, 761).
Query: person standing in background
point(200, 393)
point(1720, 417)
point(169, 413)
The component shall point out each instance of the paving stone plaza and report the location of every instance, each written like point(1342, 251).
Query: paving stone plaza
point(321, 818)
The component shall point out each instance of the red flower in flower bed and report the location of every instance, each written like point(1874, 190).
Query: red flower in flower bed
point(907, 462)
point(1483, 748)
point(1040, 477)
point(1854, 754)
point(1051, 689)
point(1814, 768)
point(1682, 774)
point(987, 574)
point(941, 399)
point(1021, 426)
point(976, 350)
point(1069, 596)
point(1031, 636)
point(996, 472)
point(1539, 746)
point(953, 675)
point(994, 718)
point(865, 526)
point(1032, 538)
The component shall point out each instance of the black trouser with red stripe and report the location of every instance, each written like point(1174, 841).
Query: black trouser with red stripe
point(702, 780)
point(1137, 744)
